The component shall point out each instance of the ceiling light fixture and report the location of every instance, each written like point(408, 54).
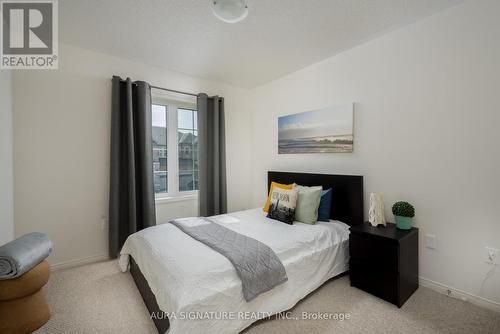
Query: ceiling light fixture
point(230, 11)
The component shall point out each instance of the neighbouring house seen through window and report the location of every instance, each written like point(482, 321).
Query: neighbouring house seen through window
point(160, 164)
point(187, 130)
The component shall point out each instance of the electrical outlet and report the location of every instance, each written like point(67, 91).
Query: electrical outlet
point(430, 241)
point(491, 255)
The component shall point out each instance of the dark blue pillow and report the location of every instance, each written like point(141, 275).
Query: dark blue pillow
point(325, 205)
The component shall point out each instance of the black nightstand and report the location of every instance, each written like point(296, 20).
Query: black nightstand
point(384, 261)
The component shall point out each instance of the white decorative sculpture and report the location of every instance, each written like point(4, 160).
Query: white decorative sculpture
point(376, 215)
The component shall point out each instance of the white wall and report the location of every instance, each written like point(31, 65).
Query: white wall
point(6, 195)
point(426, 131)
point(166, 210)
point(61, 148)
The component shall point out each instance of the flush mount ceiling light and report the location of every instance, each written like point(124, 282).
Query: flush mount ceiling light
point(230, 11)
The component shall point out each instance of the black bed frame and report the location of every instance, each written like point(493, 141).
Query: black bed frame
point(347, 206)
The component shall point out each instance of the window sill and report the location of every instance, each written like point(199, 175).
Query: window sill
point(173, 199)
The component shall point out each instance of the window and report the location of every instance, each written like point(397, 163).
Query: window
point(175, 148)
point(188, 149)
point(160, 131)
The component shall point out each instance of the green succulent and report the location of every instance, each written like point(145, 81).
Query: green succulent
point(403, 209)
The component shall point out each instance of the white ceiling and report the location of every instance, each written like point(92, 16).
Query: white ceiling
point(278, 37)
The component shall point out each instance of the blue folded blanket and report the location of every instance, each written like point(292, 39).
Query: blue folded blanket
point(22, 254)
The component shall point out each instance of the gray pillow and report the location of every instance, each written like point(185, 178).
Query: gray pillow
point(308, 201)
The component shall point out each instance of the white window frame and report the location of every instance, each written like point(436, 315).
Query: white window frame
point(173, 194)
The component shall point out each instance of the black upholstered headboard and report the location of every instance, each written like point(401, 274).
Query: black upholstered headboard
point(347, 192)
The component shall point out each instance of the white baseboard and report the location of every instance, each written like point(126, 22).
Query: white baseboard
point(459, 294)
point(79, 262)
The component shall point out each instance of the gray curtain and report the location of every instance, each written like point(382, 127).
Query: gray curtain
point(212, 195)
point(131, 192)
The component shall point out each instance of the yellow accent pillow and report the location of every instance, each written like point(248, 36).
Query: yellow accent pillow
point(278, 185)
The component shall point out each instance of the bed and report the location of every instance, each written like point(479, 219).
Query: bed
point(189, 288)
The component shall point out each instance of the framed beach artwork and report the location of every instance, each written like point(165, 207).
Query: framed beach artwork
point(327, 130)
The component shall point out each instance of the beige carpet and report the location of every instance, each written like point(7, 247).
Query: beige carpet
point(97, 298)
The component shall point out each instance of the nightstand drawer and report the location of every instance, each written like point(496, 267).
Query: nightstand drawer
point(373, 254)
point(371, 267)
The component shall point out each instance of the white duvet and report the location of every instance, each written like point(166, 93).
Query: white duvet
point(199, 288)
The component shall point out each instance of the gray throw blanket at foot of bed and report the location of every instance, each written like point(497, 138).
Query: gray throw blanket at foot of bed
point(22, 254)
point(256, 264)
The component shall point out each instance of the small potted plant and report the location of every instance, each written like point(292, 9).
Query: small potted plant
point(403, 213)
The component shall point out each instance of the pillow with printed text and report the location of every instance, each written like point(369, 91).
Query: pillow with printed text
point(282, 205)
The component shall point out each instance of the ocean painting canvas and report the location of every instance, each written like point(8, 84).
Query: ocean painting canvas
point(327, 130)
